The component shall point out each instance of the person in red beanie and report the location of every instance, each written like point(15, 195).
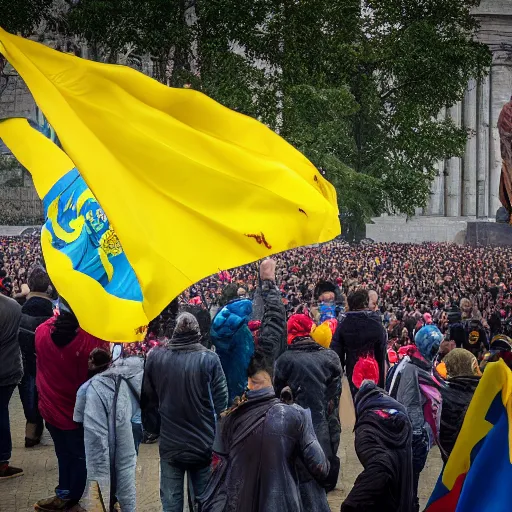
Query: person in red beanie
point(313, 374)
point(299, 326)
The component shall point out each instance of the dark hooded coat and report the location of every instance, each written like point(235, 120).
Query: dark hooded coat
point(383, 442)
point(258, 445)
point(457, 395)
point(360, 333)
point(314, 375)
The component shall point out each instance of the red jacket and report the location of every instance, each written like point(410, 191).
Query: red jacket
point(60, 372)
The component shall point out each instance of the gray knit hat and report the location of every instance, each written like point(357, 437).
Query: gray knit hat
point(186, 323)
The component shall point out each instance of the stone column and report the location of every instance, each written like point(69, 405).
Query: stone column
point(454, 170)
point(482, 137)
point(436, 201)
point(436, 195)
point(469, 187)
point(501, 91)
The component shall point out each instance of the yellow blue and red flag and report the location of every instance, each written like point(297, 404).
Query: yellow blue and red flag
point(152, 188)
point(478, 473)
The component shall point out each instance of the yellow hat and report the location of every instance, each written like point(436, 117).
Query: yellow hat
point(322, 334)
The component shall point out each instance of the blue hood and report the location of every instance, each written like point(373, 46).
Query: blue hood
point(231, 317)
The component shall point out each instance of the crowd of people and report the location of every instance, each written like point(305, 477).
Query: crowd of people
point(407, 278)
point(240, 377)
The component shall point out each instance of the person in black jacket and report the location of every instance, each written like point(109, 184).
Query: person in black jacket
point(183, 393)
point(36, 310)
point(383, 442)
point(313, 374)
point(463, 376)
point(11, 371)
point(360, 334)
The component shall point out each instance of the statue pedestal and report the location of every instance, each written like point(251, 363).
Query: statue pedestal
point(419, 229)
point(489, 233)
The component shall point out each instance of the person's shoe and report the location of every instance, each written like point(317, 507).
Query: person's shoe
point(150, 438)
point(53, 504)
point(7, 471)
point(30, 443)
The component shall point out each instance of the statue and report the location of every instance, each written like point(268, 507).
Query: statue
point(505, 130)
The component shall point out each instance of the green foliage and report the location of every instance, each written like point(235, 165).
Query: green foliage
point(415, 58)
point(357, 88)
point(22, 16)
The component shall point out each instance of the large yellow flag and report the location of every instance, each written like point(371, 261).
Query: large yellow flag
point(154, 188)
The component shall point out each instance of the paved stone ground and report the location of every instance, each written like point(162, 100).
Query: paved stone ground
point(40, 466)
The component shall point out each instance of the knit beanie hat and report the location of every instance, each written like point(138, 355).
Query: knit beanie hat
point(186, 323)
point(299, 326)
point(324, 332)
point(461, 363)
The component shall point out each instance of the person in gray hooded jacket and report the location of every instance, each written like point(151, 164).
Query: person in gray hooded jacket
point(183, 393)
point(106, 405)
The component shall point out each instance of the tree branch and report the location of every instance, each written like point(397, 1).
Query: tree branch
point(395, 89)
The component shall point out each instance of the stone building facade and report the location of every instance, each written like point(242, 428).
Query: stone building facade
point(466, 188)
point(19, 205)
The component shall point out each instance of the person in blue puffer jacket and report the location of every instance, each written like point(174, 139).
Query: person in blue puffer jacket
point(234, 344)
point(233, 340)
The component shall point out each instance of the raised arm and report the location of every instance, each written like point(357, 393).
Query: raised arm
point(272, 335)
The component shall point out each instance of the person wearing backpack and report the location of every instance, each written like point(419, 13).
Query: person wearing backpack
point(475, 338)
point(360, 335)
point(106, 405)
point(257, 446)
point(411, 383)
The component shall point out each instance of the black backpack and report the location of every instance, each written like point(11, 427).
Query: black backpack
point(475, 337)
